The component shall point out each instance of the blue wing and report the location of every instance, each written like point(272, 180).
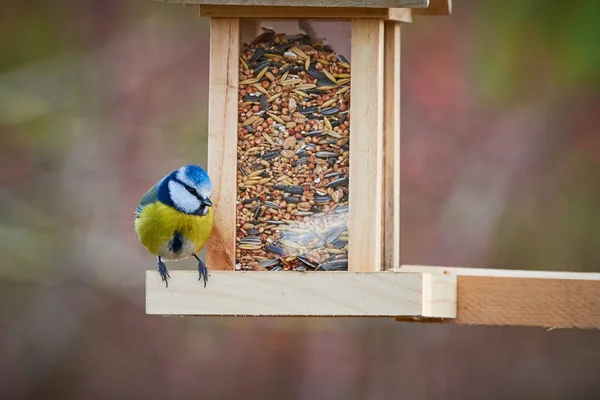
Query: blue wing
point(148, 198)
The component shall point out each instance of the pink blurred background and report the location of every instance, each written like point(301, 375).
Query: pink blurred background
point(500, 169)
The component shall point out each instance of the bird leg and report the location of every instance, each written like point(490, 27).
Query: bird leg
point(202, 270)
point(162, 270)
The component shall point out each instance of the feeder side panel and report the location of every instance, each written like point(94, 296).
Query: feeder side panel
point(222, 137)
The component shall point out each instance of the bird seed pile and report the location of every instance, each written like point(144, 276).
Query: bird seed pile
point(292, 155)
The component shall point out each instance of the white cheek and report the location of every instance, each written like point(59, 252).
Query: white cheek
point(182, 198)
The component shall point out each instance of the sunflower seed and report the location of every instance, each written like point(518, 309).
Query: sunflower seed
point(325, 154)
point(256, 212)
point(271, 222)
point(322, 199)
point(261, 66)
point(330, 111)
point(249, 247)
point(250, 240)
point(337, 183)
point(264, 103)
point(269, 262)
point(306, 262)
point(269, 155)
point(272, 205)
point(300, 162)
point(294, 189)
point(336, 265)
point(258, 53)
point(275, 249)
point(341, 209)
point(325, 83)
point(308, 110)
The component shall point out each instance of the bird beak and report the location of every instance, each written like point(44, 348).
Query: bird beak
point(208, 202)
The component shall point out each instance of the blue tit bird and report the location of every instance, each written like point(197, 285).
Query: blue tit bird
point(174, 219)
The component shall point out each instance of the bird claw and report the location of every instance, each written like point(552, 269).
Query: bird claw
point(202, 270)
point(164, 273)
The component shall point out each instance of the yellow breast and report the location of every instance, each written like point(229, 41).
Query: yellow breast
point(159, 224)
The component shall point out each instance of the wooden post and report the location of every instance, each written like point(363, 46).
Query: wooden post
point(366, 147)
point(222, 139)
point(391, 130)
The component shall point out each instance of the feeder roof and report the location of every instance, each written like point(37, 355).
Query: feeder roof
point(312, 3)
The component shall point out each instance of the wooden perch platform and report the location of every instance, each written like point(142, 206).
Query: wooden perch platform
point(266, 293)
point(524, 298)
point(469, 296)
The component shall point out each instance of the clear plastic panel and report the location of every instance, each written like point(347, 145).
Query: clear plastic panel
point(292, 155)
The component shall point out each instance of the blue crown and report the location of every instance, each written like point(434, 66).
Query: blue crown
point(198, 175)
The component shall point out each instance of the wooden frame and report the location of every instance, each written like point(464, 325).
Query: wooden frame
point(391, 155)
point(546, 299)
point(224, 55)
point(336, 9)
point(376, 284)
point(322, 13)
point(469, 296)
point(342, 294)
point(366, 143)
point(313, 3)
point(376, 48)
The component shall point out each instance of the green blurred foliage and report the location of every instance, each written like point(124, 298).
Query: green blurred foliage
point(532, 46)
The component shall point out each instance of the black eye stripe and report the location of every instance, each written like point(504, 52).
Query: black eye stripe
point(190, 189)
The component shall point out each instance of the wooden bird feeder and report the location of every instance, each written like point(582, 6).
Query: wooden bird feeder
point(304, 150)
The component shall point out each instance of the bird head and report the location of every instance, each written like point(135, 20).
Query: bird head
point(188, 189)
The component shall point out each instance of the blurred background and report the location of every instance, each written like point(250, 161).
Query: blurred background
point(500, 169)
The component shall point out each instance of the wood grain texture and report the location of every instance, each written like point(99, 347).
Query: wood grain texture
point(439, 295)
point(365, 225)
point(506, 273)
point(222, 139)
point(400, 15)
point(436, 7)
point(321, 13)
point(265, 293)
point(311, 3)
point(523, 298)
point(391, 148)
